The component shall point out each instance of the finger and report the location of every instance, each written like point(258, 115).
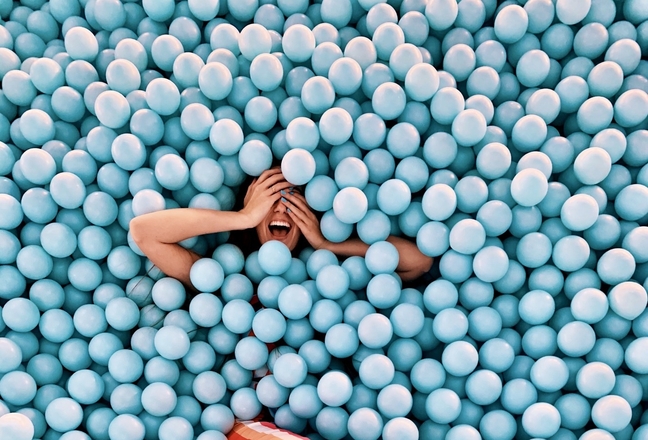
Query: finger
point(296, 210)
point(299, 222)
point(267, 174)
point(272, 180)
point(279, 187)
point(299, 200)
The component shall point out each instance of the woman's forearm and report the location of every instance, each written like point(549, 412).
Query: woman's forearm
point(411, 263)
point(175, 225)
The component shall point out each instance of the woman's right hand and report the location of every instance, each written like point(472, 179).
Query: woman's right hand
point(262, 194)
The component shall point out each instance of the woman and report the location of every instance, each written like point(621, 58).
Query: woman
point(270, 207)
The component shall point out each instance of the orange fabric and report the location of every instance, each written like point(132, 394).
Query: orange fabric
point(260, 431)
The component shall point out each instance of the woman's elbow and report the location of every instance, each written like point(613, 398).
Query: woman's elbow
point(137, 230)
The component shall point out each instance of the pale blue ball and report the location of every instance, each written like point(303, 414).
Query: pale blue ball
point(626, 299)
point(81, 44)
point(334, 388)
point(207, 275)
point(611, 413)
point(290, 370)
point(270, 393)
point(472, 193)
point(570, 253)
point(614, 267)
point(298, 166)
point(251, 353)
point(483, 387)
point(467, 236)
point(541, 419)
point(493, 160)
point(352, 172)
point(407, 320)
point(274, 257)
point(86, 387)
point(64, 414)
point(56, 325)
point(450, 325)
point(421, 81)
point(20, 314)
point(491, 264)
point(12, 357)
point(333, 229)
point(209, 387)
point(365, 424)
point(446, 104)
point(511, 24)
point(595, 114)
point(456, 267)
point(126, 426)
point(172, 342)
point(341, 340)
point(443, 406)
point(574, 410)
point(382, 257)
point(350, 205)
point(533, 68)
point(317, 94)
point(375, 330)
point(496, 355)
point(388, 100)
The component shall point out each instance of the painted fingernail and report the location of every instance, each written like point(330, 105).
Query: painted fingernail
point(288, 209)
point(291, 193)
point(283, 199)
point(283, 192)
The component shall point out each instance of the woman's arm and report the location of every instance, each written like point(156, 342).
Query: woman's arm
point(157, 234)
point(411, 263)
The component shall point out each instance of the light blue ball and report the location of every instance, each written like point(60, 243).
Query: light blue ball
point(274, 257)
point(511, 23)
point(64, 414)
point(443, 406)
point(570, 253)
point(483, 387)
point(459, 358)
point(81, 44)
point(352, 172)
point(172, 342)
point(388, 100)
point(469, 127)
point(17, 387)
point(533, 68)
point(595, 114)
point(341, 340)
point(334, 388)
point(365, 424)
point(350, 205)
point(298, 166)
point(614, 267)
point(126, 426)
point(541, 419)
point(493, 160)
point(375, 330)
point(207, 275)
point(611, 413)
point(472, 193)
point(467, 236)
point(333, 229)
point(86, 387)
point(290, 370)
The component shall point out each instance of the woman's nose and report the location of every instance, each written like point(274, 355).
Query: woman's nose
point(279, 207)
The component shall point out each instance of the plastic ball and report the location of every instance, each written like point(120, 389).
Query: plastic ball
point(443, 406)
point(541, 420)
point(612, 413)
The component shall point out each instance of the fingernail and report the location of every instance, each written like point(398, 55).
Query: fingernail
point(283, 199)
point(283, 192)
point(291, 193)
point(291, 188)
point(288, 209)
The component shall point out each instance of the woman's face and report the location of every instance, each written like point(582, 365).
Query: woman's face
point(277, 225)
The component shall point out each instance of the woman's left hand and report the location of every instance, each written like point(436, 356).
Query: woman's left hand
point(305, 219)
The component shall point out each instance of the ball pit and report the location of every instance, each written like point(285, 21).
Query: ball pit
point(506, 139)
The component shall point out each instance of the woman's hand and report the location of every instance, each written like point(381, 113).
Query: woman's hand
point(305, 219)
point(262, 193)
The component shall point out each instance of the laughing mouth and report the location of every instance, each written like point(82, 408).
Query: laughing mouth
point(279, 229)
